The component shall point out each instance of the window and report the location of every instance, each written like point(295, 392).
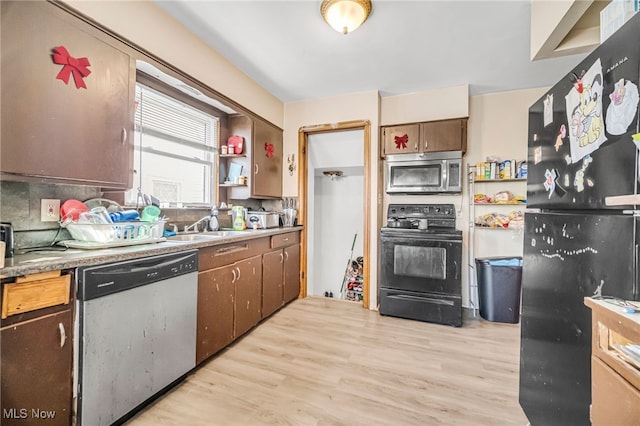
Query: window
point(175, 145)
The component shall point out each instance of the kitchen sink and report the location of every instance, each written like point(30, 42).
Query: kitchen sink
point(223, 233)
point(191, 237)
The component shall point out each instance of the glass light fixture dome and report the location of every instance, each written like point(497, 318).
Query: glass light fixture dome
point(345, 15)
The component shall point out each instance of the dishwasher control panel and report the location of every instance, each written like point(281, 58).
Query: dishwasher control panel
point(97, 281)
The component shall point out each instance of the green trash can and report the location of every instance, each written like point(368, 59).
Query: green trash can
point(499, 286)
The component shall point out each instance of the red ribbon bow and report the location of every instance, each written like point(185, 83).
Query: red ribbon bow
point(75, 66)
point(269, 148)
point(401, 141)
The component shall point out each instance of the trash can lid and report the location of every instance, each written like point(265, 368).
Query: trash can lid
point(506, 262)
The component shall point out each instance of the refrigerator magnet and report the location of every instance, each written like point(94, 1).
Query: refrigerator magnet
point(537, 154)
point(550, 181)
point(623, 107)
point(548, 109)
point(636, 140)
point(562, 133)
point(584, 113)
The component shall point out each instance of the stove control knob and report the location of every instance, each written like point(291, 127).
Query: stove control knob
point(437, 209)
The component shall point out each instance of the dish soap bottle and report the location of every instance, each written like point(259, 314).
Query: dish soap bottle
point(214, 223)
point(238, 222)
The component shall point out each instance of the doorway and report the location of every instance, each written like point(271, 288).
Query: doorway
point(356, 178)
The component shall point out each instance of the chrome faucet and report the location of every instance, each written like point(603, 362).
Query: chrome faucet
point(194, 226)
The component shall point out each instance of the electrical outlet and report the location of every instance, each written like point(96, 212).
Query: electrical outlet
point(49, 210)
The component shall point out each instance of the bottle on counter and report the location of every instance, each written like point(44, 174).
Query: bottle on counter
point(214, 223)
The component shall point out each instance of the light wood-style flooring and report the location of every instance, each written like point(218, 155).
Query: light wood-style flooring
point(321, 361)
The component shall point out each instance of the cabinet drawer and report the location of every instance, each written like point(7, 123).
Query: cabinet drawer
point(226, 254)
point(283, 240)
point(35, 292)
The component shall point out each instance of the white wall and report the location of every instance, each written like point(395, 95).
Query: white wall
point(430, 105)
point(335, 207)
point(356, 106)
point(498, 126)
point(338, 216)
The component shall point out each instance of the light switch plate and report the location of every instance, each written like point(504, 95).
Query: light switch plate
point(49, 210)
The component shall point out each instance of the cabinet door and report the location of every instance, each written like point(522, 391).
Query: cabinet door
point(291, 272)
point(401, 139)
point(54, 130)
point(248, 287)
point(267, 160)
point(36, 371)
point(272, 278)
point(445, 135)
point(215, 311)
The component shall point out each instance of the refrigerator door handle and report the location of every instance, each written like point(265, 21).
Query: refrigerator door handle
point(622, 200)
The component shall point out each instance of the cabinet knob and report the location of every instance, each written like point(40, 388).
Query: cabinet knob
point(63, 334)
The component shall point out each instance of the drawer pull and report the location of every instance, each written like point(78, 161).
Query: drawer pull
point(63, 334)
point(285, 239)
point(232, 249)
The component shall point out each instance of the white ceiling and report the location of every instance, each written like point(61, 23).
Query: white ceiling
point(404, 46)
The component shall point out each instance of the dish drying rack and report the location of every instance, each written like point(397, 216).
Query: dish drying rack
point(117, 233)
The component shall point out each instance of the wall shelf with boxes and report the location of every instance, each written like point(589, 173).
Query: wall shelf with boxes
point(496, 203)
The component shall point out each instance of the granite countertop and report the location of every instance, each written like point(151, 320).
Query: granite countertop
point(48, 260)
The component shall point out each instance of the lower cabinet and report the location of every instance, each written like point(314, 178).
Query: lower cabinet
point(272, 280)
point(241, 283)
point(36, 371)
point(280, 272)
point(215, 311)
point(291, 273)
point(248, 286)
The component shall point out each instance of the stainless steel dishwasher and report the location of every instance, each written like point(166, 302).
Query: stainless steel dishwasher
point(137, 324)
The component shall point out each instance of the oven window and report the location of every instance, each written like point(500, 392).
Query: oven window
point(420, 262)
point(418, 176)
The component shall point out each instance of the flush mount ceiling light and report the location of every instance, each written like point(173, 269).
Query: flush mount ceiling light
point(333, 173)
point(345, 15)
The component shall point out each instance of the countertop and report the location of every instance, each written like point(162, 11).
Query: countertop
point(48, 260)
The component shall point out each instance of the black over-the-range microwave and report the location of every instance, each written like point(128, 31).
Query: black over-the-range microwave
point(426, 173)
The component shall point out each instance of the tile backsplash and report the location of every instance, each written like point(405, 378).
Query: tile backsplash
point(20, 206)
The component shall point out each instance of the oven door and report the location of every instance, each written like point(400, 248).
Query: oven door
point(420, 277)
point(425, 264)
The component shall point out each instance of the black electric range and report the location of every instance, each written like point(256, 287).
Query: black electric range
point(421, 264)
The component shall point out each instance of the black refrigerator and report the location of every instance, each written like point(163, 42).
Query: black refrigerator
point(580, 239)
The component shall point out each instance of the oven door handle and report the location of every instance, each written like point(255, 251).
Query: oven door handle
point(421, 299)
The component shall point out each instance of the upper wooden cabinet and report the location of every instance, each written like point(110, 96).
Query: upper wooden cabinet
point(431, 136)
point(263, 162)
point(403, 139)
point(56, 131)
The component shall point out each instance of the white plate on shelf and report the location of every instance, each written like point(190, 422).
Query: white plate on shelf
point(90, 245)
